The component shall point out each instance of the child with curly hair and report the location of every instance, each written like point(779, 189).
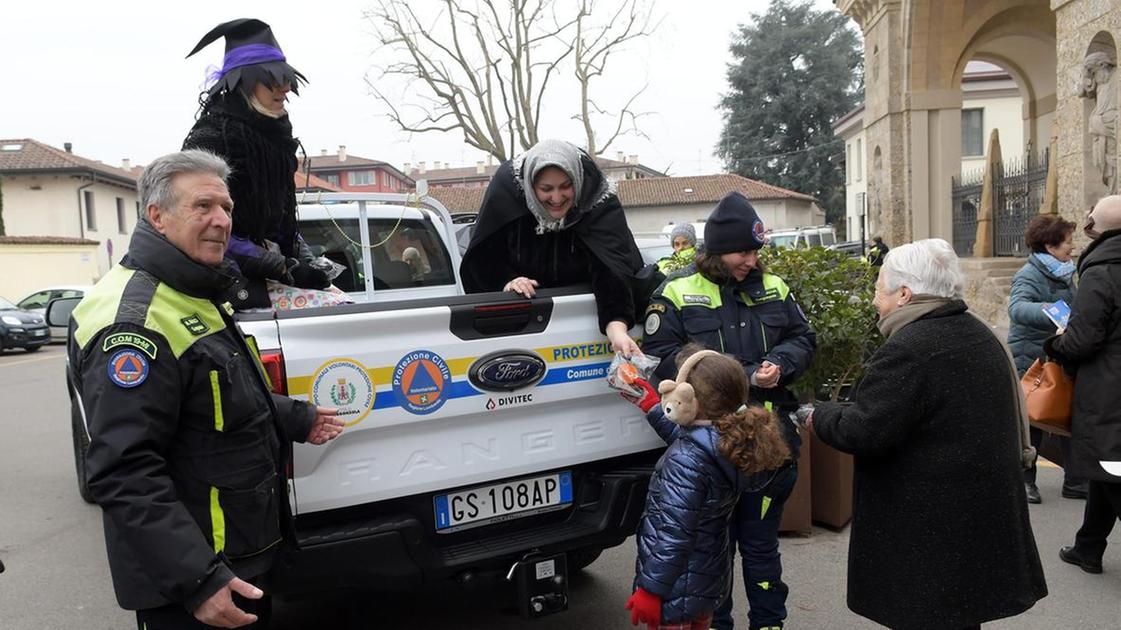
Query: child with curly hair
point(719, 446)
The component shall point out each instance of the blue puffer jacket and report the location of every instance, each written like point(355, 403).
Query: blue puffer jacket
point(683, 554)
point(1032, 287)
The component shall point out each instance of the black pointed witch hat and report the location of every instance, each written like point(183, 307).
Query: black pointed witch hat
point(252, 56)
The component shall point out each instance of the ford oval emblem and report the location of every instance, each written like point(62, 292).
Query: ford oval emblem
point(507, 370)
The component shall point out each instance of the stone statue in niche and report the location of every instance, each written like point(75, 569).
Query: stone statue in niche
point(1099, 84)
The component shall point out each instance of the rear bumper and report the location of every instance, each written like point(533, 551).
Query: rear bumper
point(401, 551)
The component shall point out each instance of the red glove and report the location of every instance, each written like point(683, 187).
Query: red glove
point(645, 606)
point(649, 398)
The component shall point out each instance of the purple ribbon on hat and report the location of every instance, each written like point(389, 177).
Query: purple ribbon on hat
point(246, 55)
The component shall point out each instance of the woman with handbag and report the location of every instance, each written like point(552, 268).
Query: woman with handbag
point(1090, 347)
point(1046, 278)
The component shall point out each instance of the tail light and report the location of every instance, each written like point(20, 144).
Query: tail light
point(273, 362)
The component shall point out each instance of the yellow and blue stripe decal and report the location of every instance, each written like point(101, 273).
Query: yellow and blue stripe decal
point(449, 380)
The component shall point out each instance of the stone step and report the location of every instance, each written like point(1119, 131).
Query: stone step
point(992, 264)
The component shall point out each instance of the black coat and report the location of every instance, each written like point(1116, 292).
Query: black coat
point(597, 247)
point(1091, 349)
point(193, 435)
point(940, 535)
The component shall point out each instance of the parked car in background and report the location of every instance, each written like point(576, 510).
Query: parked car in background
point(20, 328)
point(653, 249)
point(810, 236)
point(37, 303)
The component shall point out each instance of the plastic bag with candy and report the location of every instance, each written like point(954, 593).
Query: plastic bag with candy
point(623, 372)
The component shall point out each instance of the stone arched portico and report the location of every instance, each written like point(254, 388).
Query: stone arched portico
point(915, 55)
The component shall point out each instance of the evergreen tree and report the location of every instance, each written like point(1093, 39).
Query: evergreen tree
point(796, 71)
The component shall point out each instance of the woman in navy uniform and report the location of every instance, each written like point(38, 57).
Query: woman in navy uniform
point(726, 301)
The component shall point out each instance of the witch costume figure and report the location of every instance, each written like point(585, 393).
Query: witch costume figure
point(550, 218)
point(244, 120)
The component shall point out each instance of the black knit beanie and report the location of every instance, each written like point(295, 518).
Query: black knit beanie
point(733, 226)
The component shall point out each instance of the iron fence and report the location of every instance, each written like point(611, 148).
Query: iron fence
point(966, 201)
point(1018, 187)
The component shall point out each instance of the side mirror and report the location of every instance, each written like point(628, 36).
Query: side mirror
point(59, 310)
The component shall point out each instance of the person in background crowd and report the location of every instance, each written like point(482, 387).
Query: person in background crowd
point(1046, 278)
point(550, 218)
point(1090, 348)
point(683, 238)
point(727, 302)
point(718, 446)
point(188, 446)
point(940, 532)
point(877, 251)
point(244, 120)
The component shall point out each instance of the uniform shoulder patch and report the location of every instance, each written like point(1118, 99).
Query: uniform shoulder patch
point(656, 307)
point(140, 342)
point(128, 368)
point(653, 323)
point(195, 325)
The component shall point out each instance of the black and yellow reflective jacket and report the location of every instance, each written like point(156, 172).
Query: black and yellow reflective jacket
point(755, 320)
point(187, 443)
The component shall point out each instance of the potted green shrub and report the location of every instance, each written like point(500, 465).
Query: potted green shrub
point(835, 291)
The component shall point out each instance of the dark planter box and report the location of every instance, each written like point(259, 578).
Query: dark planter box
point(831, 487)
point(796, 515)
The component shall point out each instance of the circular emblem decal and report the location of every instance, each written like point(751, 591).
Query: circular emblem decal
point(759, 232)
point(128, 368)
point(421, 381)
point(653, 323)
point(345, 384)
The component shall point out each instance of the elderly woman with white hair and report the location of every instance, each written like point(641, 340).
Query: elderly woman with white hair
point(940, 535)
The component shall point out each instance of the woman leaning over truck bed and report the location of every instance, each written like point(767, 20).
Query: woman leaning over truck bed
point(551, 218)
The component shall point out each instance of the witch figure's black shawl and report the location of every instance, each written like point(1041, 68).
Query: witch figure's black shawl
point(261, 153)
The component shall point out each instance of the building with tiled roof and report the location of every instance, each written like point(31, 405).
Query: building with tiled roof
point(83, 210)
point(307, 182)
point(353, 173)
point(653, 203)
point(478, 176)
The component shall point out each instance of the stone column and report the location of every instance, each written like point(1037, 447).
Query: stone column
point(885, 126)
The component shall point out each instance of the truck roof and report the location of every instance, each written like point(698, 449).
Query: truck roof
point(312, 212)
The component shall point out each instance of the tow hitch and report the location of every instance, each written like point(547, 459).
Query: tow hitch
point(542, 584)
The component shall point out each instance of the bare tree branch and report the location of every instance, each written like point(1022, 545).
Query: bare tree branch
point(485, 67)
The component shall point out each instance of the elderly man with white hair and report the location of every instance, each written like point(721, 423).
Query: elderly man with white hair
point(940, 535)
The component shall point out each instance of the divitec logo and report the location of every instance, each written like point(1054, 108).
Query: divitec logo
point(507, 370)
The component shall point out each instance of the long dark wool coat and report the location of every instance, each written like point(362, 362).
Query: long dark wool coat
point(1091, 349)
point(940, 535)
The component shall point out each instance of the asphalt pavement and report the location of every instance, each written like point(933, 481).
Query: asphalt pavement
point(57, 575)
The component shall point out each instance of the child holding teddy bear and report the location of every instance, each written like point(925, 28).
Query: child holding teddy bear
point(718, 448)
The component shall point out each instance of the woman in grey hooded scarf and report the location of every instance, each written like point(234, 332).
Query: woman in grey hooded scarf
point(550, 218)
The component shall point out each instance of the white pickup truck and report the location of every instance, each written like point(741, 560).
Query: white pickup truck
point(480, 429)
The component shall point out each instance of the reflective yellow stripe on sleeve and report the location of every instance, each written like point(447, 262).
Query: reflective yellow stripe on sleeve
point(216, 390)
point(217, 521)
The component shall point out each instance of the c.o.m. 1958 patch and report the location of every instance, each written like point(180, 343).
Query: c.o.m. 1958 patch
point(128, 368)
point(140, 342)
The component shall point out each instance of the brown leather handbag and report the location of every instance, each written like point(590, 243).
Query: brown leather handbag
point(1049, 393)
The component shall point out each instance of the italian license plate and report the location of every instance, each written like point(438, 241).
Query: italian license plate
point(502, 501)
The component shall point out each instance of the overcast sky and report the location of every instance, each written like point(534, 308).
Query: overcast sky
point(111, 78)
